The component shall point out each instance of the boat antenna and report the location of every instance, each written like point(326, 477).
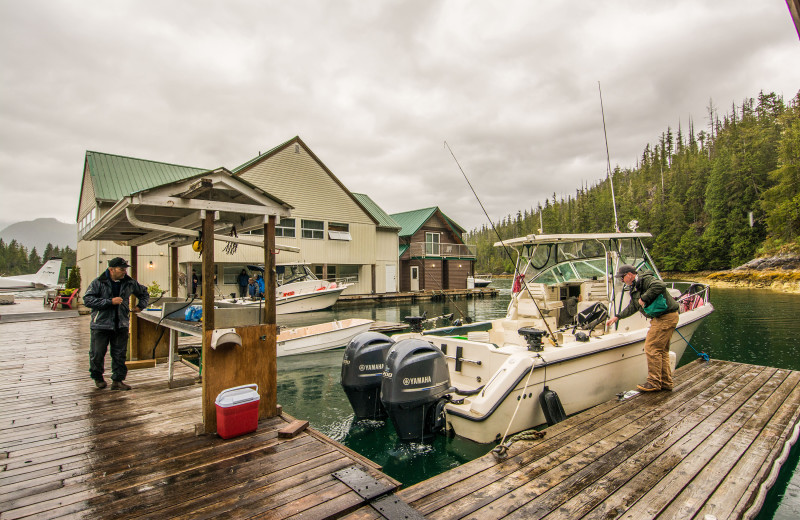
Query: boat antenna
point(608, 161)
point(505, 248)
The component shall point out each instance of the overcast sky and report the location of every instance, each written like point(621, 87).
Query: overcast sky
point(374, 88)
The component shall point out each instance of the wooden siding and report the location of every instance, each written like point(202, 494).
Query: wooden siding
point(436, 225)
point(87, 201)
point(456, 273)
point(299, 180)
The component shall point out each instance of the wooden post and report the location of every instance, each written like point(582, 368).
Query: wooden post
point(269, 402)
point(208, 272)
point(173, 272)
point(133, 330)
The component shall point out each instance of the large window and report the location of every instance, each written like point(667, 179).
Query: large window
point(285, 228)
point(312, 229)
point(338, 231)
point(432, 244)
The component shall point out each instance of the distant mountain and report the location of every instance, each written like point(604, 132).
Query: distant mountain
point(38, 233)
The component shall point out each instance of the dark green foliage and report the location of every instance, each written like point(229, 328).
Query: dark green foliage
point(74, 279)
point(694, 191)
point(15, 259)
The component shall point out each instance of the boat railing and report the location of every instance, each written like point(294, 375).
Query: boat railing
point(693, 294)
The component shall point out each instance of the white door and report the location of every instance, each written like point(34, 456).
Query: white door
point(414, 278)
point(391, 278)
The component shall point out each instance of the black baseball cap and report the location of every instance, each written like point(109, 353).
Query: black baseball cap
point(117, 262)
point(625, 269)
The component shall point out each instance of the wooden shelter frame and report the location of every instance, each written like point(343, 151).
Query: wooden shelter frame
point(208, 205)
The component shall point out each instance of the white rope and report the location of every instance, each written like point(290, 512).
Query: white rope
point(519, 402)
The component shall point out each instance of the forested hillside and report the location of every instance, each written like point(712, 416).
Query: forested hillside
point(16, 259)
point(713, 198)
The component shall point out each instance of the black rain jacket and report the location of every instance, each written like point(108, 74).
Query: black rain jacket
point(98, 298)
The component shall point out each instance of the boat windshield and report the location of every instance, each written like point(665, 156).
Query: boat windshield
point(293, 273)
point(559, 262)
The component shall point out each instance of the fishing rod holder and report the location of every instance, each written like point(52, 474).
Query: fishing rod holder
point(534, 338)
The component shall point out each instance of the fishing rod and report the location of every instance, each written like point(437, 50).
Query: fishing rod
point(505, 248)
point(608, 161)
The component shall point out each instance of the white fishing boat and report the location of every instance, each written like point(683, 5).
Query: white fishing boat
point(298, 291)
point(495, 383)
point(324, 336)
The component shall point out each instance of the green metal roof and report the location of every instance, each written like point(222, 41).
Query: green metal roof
point(403, 249)
point(383, 218)
point(411, 221)
point(115, 176)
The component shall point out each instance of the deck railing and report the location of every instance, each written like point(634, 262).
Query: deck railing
point(434, 250)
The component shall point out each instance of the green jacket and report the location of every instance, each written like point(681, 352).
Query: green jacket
point(648, 288)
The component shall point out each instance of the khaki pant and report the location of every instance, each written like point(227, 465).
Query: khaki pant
point(656, 348)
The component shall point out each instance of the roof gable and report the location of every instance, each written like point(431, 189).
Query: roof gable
point(253, 165)
point(412, 221)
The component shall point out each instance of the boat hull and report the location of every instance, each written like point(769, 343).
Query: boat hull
point(582, 374)
point(292, 304)
point(316, 338)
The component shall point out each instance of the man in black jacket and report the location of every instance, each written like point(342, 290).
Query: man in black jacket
point(649, 296)
point(108, 296)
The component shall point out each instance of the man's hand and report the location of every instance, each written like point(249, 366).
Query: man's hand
point(116, 300)
point(612, 321)
point(136, 309)
point(641, 302)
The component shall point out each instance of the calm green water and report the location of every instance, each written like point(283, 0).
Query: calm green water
point(749, 326)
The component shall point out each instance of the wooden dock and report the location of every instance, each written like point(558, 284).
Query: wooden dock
point(713, 446)
point(70, 450)
point(432, 295)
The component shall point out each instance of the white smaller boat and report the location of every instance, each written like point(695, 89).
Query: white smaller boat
point(324, 336)
point(482, 280)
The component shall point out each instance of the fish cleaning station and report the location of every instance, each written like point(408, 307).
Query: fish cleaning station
point(710, 448)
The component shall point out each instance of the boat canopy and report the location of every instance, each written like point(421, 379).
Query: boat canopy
point(552, 239)
point(557, 259)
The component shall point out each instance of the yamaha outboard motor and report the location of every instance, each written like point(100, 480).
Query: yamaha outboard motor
point(415, 389)
point(362, 372)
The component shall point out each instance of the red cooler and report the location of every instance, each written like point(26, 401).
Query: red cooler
point(237, 411)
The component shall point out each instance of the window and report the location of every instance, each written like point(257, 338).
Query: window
point(312, 229)
point(432, 244)
point(285, 228)
point(338, 231)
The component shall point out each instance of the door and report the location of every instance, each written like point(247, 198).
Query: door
point(414, 278)
point(391, 278)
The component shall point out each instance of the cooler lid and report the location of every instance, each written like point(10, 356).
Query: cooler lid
point(237, 395)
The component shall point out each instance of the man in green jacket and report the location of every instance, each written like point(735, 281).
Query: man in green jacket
point(649, 296)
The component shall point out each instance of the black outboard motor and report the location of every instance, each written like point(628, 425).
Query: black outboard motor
point(362, 372)
point(415, 389)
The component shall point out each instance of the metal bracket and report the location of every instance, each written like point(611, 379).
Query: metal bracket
point(362, 482)
point(368, 488)
point(392, 507)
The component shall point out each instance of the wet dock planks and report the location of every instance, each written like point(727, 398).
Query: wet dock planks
point(713, 446)
point(69, 450)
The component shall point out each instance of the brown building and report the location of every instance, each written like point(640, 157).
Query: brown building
point(433, 255)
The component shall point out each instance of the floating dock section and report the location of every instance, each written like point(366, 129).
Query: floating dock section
point(70, 450)
point(713, 446)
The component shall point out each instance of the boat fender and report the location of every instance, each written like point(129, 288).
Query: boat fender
point(551, 406)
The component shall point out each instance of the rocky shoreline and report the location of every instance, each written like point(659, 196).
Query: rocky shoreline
point(778, 273)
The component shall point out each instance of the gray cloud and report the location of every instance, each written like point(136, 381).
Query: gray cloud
point(374, 88)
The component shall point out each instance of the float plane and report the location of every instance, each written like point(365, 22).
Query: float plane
point(45, 278)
